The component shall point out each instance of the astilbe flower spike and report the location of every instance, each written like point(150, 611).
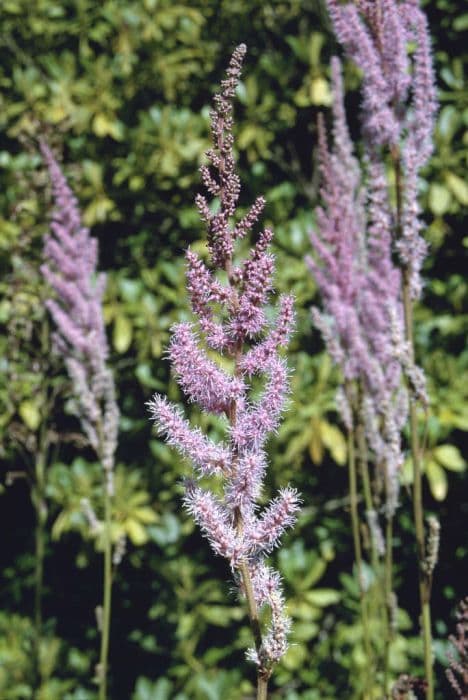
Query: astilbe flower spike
point(70, 261)
point(373, 341)
point(399, 98)
point(360, 290)
point(231, 319)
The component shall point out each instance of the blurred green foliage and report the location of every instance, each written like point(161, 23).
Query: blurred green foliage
point(123, 90)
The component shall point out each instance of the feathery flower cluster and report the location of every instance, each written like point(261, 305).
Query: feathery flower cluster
point(231, 320)
point(70, 259)
point(399, 98)
point(359, 285)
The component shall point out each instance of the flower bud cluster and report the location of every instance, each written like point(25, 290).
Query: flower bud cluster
point(229, 300)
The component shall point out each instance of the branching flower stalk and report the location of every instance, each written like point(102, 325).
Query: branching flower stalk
point(230, 309)
point(70, 261)
point(399, 107)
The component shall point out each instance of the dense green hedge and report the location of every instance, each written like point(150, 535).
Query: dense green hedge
point(122, 89)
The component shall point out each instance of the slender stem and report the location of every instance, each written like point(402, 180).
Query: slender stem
point(363, 462)
point(41, 517)
point(375, 599)
point(39, 501)
point(418, 510)
point(262, 676)
point(107, 599)
point(357, 546)
point(388, 589)
point(262, 688)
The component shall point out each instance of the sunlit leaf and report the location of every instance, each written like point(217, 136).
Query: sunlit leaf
point(30, 413)
point(449, 457)
point(437, 480)
point(123, 332)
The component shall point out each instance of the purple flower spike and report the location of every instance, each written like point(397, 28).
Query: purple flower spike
point(70, 260)
point(360, 289)
point(360, 233)
point(230, 310)
point(399, 98)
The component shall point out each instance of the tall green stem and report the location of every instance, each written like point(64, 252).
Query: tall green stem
point(41, 517)
point(357, 547)
point(418, 510)
point(388, 589)
point(363, 461)
point(40, 506)
point(107, 597)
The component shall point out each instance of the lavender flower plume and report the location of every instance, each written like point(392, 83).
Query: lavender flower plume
point(360, 286)
point(397, 92)
point(399, 99)
point(70, 260)
point(231, 320)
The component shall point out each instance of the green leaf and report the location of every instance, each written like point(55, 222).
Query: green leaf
point(460, 23)
point(30, 413)
point(167, 532)
point(123, 331)
point(333, 439)
point(319, 91)
point(146, 690)
point(437, 480)
point(221, 615)
point(107, 126)
point(439, 199)
point(449, 457)
point(136, 532)
point(303, 631)
point(458, 187)
point(145, 514)
point(321, 597)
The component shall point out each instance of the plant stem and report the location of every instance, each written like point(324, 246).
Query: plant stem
point(107, 598)
point(418, 510)
point(41, 517)
point(262, 688)
point(40, 506)
point(357, 547)
point(388, 591)
point(362, 449)
point(262, 677)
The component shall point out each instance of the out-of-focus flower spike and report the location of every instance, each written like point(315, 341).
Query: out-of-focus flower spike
point(70, 259)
